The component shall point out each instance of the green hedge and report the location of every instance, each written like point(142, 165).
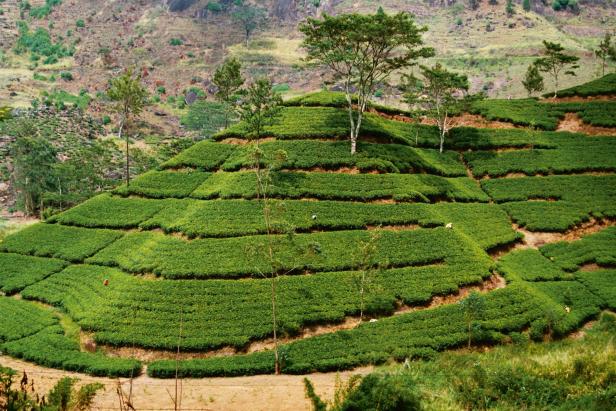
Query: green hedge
point(602, 283)
point(66, 243)
point(160, 184)
point(559, 202)
point(51, 348)
point(599, 248)
point(605, 85)
point(230, 218)
point(337, 99)
point(573, 153)
point(530, 265)
point(393, 158)
point(415, 334)
point(18, 271)
point(218, 313)
point(172, 257)
point(332, 186)
point(204, 155)
point(106, 211)
point(21, 318)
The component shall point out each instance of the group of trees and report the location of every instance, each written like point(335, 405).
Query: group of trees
point(556, 61)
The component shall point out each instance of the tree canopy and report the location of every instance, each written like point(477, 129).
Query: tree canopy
point(362, 51)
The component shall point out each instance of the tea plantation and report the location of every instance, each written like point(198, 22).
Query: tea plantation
point(186, 245)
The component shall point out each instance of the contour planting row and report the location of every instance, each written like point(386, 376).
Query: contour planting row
point(300, 123)
point(572, 153)
point(230, 218)
point(217, 313)
point(308, 154)
point(605, 85)
point(175, 258)
point(33, 333)
point(554, 203)
point(323, 186)
point(415, 334)
point(544, 115)
point(18, 271)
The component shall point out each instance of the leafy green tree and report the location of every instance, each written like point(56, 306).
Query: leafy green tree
point(249, 17)
point(605, 50)
point(130, 97)
point(526, 5)
point(367, 269)
point(260, 108)
point(533, 80)
point(228, 79)
point(439, 93)
point(34, 159)
point(363, 51)
point(473, 308)
point(555, 61)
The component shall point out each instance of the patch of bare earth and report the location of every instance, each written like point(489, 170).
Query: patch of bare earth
point(340, 170)
point(262, 392)
point(472, 120)
point(590, 267)
point(399, 227)
point(581, 332)
point(535, 239)
point(574, 124)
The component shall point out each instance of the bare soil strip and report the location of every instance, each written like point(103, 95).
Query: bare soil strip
point(263, 392)
point(574, 124)
point(535, 239)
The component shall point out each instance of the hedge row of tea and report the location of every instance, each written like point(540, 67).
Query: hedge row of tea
point(412, 335)
point(604, 86)
point(175, 258)
point(572, 153)
point(554, 203)
point(294, 185)
point(309, 154)
point(546, 116)
point(338, 99)
point(220, 313)
point(19, 271)
point(33, 333)
point(300, 123)
point(231, 218)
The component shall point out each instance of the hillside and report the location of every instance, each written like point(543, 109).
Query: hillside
point(178, 260)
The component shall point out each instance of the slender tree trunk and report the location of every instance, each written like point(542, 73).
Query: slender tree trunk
point(127, 163)
point(351, 119)
point(555, 85)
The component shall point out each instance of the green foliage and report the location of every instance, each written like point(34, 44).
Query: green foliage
point(606, 51)
point(51, 348)
point(599, 248)
point(533, 81)
point(333, 186)
point(526, 5)
point(80, 23)
point(61, 97)
point(176, 42)
point(418, 334)
point(363, 51)
point(572, 153)
point(238, 310)
point(385, 392)
point(600, 283)
point(204, 156)
point(530, 265)
point(44, 10)
point(18, 271)
point(39, 43)
point(5, 113)
point(177, 258)
point(250, 18)
point(67, 243)
point(555, 61)
point(605, 85)
point(160, 184)
point(228, 79)
point(437, 94)
point(206, 117)
point(21, 318)
point(576, 199)
point(260, 108)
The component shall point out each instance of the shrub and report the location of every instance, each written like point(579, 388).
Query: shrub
point(66, 76)
point(80, 23)
point(176, 42)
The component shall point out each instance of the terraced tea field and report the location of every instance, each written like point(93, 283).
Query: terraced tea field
point(175, 261)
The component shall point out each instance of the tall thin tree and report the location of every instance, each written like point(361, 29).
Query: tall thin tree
point(556, 60)
point(228, 79)
point(129, 97)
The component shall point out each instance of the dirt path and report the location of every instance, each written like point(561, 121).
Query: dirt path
point(263, 392)
point(574, 124)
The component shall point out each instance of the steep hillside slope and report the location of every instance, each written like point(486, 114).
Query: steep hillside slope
point(177, 259)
